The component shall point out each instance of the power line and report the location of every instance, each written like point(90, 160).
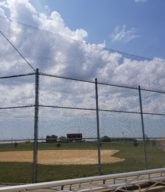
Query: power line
point(129, 54)
point(26, 25)
point(102, 110)
point(108, 49)
point(21, 55)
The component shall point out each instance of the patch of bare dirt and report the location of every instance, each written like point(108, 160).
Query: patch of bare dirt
point(62, 157)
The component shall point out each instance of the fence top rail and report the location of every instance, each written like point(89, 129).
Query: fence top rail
point(81, 80)
point(17, 107)
point(15, 76)
point(113, 139)
point(79, 180)
point(102, 83)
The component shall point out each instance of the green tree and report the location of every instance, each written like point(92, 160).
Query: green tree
point(51, 139)
point(105, 139)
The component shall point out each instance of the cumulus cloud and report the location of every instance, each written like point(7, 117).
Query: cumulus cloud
point(123, 34)
point(57, 49)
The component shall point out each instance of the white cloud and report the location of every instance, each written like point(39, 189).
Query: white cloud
point(123, 34)
point(60, 50)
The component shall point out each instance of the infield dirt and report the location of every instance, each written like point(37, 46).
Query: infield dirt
point(62, 157)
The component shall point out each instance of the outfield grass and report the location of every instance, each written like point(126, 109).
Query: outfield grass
point(52, 146)
point(134, 160)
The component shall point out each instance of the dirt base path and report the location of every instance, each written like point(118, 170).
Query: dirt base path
point(62, 157)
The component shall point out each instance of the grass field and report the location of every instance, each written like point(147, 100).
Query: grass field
point(16, 172)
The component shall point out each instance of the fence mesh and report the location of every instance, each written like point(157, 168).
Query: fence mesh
point(16, 119)
point(154, 128)
point(72, 139)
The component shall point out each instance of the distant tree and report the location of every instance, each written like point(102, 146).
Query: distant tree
point(51, 139)
point(135, 143)
point(58, 144)
point(63, 139)
point(27, 141)
point(106, 139)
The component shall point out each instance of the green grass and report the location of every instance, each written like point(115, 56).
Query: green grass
point(51, 146)
point(134, 160)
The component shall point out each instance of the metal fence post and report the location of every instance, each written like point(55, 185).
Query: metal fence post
point(98, 128)
point(143, 131)
point(35, 143)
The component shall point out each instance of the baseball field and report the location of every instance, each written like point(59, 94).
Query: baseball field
point(73, 160)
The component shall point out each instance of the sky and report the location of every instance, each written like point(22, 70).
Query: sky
point(140, 23)
point(82, 39)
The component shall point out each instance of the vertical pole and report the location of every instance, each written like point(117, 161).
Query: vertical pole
point(98, 128)
point(142, 123)
point(35, 143)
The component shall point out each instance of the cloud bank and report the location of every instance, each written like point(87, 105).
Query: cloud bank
point(63, 51)
point(57, 49)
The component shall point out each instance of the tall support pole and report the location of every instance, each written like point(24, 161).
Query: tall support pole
point(36, 112)
point(98, 128)
point(143, 131)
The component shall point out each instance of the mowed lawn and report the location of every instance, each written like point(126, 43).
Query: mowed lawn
point(12, 172)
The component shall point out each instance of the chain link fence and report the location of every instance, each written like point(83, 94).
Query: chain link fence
point(61, 127)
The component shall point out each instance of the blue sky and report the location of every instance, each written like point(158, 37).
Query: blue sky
point(71, 39)
point(100, 18)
